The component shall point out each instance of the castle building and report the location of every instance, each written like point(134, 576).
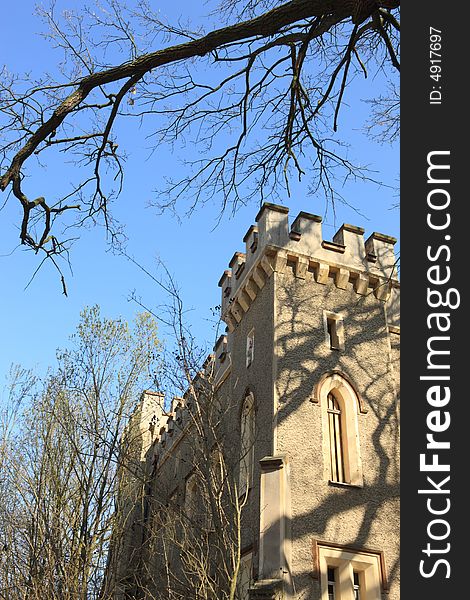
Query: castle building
point(299, 422)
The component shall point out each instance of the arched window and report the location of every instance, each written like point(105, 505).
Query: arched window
point(191, 497)
point(335, 427)
point(247, 443)
point(340, 406)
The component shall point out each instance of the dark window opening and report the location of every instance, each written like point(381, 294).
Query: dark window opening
point(331, 583)
point(357, 586)
point(332, 326)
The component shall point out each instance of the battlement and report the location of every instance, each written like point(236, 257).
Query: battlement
point(299, 393)
point(154, 425)
point(159, 423)
point(370, 265)
point(271, 246)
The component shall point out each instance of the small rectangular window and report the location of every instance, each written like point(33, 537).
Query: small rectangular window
point(333, 333)
point(334, 330)
point(350, 573)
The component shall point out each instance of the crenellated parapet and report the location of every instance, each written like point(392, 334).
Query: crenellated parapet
point(271, 245)
point(163, 423)
point(294, 411)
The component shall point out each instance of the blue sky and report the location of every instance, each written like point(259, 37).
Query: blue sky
point(37, 320)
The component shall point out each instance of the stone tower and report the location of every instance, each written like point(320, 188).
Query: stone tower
point(323, 321)
point(311, 353)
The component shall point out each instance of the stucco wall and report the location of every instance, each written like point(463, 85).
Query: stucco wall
point(257, 378)
point(280, 290)
point(366, 516)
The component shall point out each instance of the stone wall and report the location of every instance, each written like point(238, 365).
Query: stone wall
point(323, 316)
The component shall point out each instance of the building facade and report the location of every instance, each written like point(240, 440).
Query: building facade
point(302, 429)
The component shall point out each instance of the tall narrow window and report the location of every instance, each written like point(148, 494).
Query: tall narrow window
point(247, 441)
point(357, 586)
point(217, 465)
point(331, 583)
point(245, 577)
point(191, 498)
point(217, 477)
point(250, 347)
point(336, 440)
point(341, 407)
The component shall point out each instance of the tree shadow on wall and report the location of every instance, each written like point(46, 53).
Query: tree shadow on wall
point(303, 358)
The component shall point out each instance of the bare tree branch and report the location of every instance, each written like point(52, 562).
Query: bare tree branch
point(294, 60)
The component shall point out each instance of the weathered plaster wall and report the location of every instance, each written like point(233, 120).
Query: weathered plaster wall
point(366, 516)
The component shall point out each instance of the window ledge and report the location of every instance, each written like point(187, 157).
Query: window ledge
point(342, 484)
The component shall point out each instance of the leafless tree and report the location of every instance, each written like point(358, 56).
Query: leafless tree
point(192, 518)
point(87, 510)
point(193, 536)
point(259, 100)
point(58, 473)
